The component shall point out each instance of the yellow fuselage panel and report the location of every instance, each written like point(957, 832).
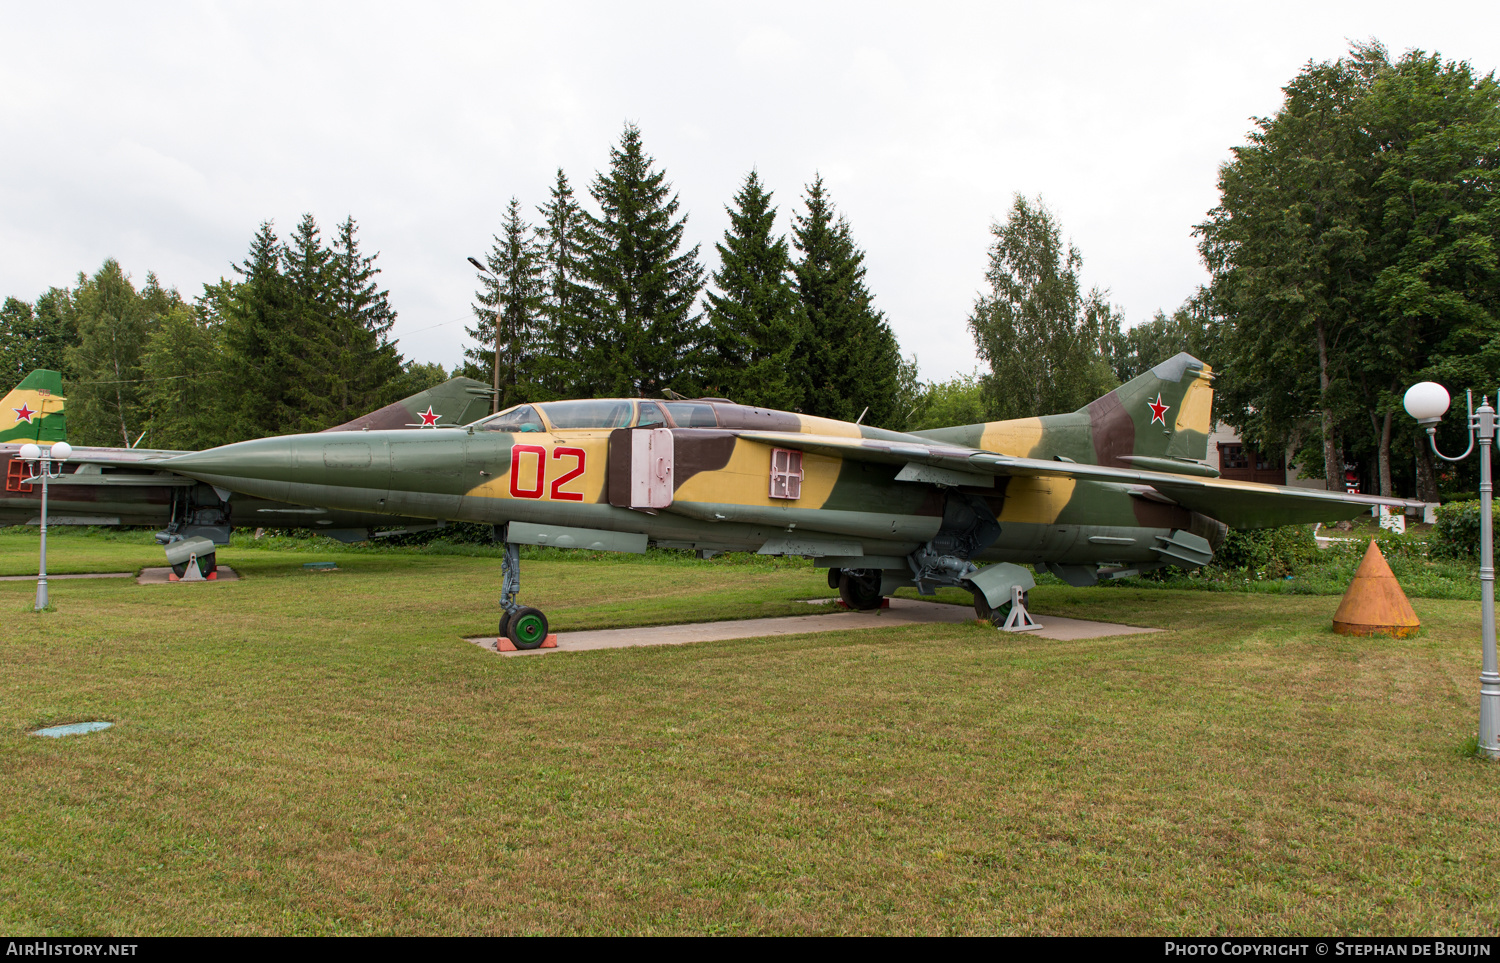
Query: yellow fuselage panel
point(1036, 499)
point(1017, 438)
point(813, 425)
point(545, 466)
point(746, 479)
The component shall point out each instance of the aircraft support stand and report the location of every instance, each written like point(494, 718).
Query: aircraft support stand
point(525, 627)
point(1019, 620)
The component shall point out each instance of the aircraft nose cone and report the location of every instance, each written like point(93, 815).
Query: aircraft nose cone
point(267, 459)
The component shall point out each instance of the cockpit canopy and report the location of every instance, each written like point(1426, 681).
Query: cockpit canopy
point(602, 414)
point(605, 414)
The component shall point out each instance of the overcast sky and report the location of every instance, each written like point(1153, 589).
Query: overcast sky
point(163, 134)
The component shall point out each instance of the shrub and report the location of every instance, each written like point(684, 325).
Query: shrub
point(1456, 532)
point(1275, 551)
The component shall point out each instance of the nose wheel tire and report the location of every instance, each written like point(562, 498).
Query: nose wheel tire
point(860, 588)
point(527, 629)
point(504, 621)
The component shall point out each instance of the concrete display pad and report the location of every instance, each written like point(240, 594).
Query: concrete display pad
point(158, 576)
point(901, 612)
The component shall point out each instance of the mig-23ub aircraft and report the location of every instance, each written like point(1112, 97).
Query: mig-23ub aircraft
point(125, 486)
point(1113, 489)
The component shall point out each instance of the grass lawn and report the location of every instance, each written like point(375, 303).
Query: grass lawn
point(321, 753)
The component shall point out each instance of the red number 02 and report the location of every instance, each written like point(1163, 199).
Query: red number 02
point(516, 451)
point(557, 483)
point(538, 482)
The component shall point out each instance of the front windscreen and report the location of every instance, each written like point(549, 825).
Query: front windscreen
point(593, 413)
point(523, 418)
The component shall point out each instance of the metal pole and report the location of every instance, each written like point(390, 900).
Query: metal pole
point(1489, 675)
point(41, 578)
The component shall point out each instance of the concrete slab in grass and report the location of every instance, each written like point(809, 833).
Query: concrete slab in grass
point(901, 612)
point(159, 576)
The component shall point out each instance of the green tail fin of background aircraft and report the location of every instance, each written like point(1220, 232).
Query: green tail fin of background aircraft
point(1159, 421)
point(456, 401)
point(33, 411)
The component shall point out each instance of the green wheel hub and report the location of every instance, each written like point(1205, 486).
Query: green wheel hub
point(527, 628)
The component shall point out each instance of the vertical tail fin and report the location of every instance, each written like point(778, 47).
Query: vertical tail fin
point(33, 411)
point(1160, 420)
point(1164, 414)
point(456, 401)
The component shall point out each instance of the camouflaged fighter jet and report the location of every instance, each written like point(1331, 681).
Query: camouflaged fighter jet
point(124, 486)
point(1116, 488)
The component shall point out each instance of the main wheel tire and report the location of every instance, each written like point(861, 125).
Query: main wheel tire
point(206, 564)
point(504, 621)
point(527, 629)
point(860, 588)
point(997, 616)
point(833, 577)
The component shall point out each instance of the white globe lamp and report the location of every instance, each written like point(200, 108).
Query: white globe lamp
point(1426, 401)
point(61, 451)
point(30, 452)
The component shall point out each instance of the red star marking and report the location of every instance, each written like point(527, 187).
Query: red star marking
point(429, 420)
point(1158, 410)
point(23, 413)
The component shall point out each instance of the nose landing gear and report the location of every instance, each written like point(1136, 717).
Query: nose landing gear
point(525, 627)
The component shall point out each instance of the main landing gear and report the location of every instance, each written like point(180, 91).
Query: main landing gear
point(858, 587)
point(526, 627)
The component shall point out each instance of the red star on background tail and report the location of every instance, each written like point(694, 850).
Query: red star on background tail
point(23, 413)
point(1158, 410)
point(429, 420)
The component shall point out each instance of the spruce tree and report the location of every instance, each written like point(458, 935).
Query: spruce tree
point(512, 295)
point(754, 325)
point(851, 356)
point(315, 390)
point(182, 361)
point(563, 238)
point(644, 331)
point(368, 367)
point(261, 340)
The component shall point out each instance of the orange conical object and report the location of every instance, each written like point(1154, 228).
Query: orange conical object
point(1375, 604)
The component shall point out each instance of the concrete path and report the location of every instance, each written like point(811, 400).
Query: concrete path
point(51, 577)
point(158, 576)
point(901, 612)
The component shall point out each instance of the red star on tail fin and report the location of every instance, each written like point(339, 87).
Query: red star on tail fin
point(1158, 410)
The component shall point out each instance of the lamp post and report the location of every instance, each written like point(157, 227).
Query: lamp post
point(33, 453)
point(1427, 402)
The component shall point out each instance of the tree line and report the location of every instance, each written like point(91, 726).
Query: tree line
point(1353, 253)
point(608, 302)
point(1355, 250)
point(298, 341)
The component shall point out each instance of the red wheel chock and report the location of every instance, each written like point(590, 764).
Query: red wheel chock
point(502, 644)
